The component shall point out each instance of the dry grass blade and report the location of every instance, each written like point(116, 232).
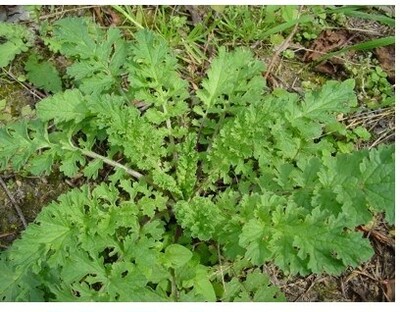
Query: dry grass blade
point(284, 45)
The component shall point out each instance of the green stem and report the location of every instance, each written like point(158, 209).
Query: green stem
point(113, 163)
point(123, 93)
point(174, 290)
point(203, 120)
point(171, 137)
point(219, 125)
point(106, 160)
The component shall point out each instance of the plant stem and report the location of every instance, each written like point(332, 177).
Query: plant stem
point(171, 137)
point(174, 290)
point(110, 162)
point(106, 160)
point(220, 268)
point(219, 125)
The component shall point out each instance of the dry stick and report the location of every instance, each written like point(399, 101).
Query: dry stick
point(382, 138)
point(13, 201)
point(371, 32)
point(6, 234)
point(68, 10)
point(366, 119)
point(282, 47)
point(315, 281)
point(31, 90)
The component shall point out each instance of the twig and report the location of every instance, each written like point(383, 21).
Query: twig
point(371, 32)
point(366, 274)
point(68, 10)
point(13, 201)
point(6, 234)
point(357, 119)
point(382, 138)
point(315, 281)
point(283, 46)
point(31, 90)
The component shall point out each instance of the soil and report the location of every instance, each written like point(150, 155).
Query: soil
point(31, 194)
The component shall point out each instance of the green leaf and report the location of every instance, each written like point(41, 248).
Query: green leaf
point(100, 55)
point(375, 17)
point(333, 97)
point(200, 217)
point(91, 170)
point(347, 249)
point(203, 286)
point(187, 166)
point(258, 283)
point(42, 163)
point(154, 67)
point(16, 285)
point(253, 237)
point(9, 282)
point(141, 142)
point(165, 181)
point(3, 104)
point(230, 77)
point(218, 8)
point(20, 141)
point(43, 74)
point(66, 106)
point(256, 287)
point(177, 255)
point(76, 37)
point(282, 27)
point(289, 12)
point(378, 181)
point(131, 287)
point(79, 265)
point(155, 80)
point(15, 39)
point(69, 165)
point(361, 183)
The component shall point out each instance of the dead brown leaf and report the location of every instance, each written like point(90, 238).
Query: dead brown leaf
point(386, 58)
point(328, 41)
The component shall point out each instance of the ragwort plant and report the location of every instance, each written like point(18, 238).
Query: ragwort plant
point(205, 188)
